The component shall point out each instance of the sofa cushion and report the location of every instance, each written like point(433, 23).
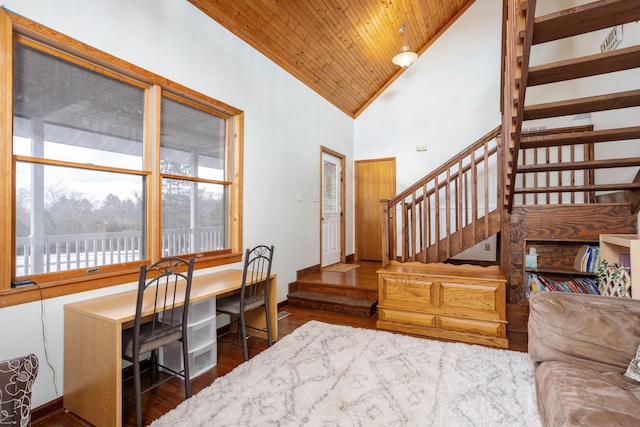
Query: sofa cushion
point(594, 332)
point(569, 395)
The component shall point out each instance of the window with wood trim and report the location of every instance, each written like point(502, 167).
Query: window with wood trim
point(110, 166)
point(193, 164)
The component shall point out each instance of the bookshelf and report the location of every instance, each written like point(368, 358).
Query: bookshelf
point(555, 263)
point(614, 245)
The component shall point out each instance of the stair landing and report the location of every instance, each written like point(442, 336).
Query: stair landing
point(354, 292)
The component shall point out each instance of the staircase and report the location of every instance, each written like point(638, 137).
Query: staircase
point(571, 113)
point(354, 292)
point(566, 121)
point(335, 299)
point(538, 156)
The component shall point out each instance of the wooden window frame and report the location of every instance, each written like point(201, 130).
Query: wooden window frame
point(15, 27)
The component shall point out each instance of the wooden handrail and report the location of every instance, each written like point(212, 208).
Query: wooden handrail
point(464, 153)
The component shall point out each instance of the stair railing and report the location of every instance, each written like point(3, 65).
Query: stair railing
point(546, 166)
point(449, 210)
point(518, 22)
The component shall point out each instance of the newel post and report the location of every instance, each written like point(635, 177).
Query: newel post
point(384, 236)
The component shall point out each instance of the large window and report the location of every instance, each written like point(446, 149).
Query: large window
point(80, 183)
point(193, 148)
point(110, 166)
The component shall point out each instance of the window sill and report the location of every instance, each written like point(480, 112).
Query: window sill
point(57, 288)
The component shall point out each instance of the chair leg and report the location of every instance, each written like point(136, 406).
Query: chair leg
point(137, 390)
point(187, 381)
point(266, 313)
point(238, 326)
point(243, 334)
point(154, 366)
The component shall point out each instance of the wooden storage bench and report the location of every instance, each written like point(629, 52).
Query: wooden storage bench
point(454, 302)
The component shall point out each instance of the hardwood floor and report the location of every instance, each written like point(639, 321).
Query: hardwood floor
point(166, 397)
point(363, 278)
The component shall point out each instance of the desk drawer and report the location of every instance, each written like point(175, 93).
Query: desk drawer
point(201, 334)
point(200, 360)
point(203, 359)
point(201, 310)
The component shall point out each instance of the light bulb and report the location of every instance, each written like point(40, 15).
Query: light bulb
point(405, 57)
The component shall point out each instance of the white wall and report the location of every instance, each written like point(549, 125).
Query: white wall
point(448, 99)
point(285, 125)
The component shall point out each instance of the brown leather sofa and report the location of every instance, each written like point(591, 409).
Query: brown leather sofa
point(16, 380)
point(581, 346)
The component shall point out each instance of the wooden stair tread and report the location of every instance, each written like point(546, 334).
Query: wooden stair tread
point(338, 299)
point(554, 131)
point(322, 286)
point(584, 165)
point(583, 19)
point(580, 137)
point(341, 291)
point(607, 62)
point(617, 197)
point(578, 188)
point(354, 306)
point(583, 105)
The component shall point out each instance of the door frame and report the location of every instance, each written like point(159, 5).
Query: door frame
point(343, 186)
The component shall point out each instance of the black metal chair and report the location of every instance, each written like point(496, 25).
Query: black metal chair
point(254, 293)
point(161, 318)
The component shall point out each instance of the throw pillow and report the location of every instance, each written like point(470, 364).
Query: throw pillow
point(633, 370)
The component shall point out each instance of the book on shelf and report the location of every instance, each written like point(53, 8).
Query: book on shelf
point(579, 285)
point(587, 259)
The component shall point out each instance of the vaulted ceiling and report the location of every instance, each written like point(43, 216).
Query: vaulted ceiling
point(341, 49)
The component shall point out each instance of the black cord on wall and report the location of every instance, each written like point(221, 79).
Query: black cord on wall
point(44, 339)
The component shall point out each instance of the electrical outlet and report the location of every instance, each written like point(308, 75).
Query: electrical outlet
point(487, 246)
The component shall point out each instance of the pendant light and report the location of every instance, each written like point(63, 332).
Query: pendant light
point(405, 57)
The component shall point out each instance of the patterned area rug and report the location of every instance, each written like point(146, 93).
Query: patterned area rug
point(328, 375)
point(341, 268)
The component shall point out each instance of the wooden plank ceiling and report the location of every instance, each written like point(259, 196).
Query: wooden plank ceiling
point(341, 49)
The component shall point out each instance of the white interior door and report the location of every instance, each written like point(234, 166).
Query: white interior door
point(330, 210)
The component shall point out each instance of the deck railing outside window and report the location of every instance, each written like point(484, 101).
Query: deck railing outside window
point(75, 251)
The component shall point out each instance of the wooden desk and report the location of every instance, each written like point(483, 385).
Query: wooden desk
point(93, 344)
